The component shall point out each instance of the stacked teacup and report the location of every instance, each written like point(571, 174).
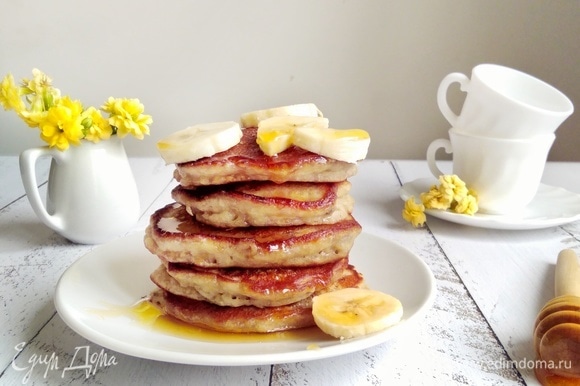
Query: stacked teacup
point(501, 139)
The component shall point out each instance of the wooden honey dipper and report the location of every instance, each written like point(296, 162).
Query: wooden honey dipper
point(557, 327)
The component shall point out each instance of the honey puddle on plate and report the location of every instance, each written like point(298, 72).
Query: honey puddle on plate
point(146, 314)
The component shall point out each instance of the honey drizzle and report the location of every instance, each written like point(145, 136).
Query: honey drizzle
point(146, 314)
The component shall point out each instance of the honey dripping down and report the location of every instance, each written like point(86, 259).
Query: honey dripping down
point(147, 315)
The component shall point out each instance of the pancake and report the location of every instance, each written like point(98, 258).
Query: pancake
point(246, 162)
point(246, 319)
point(177, 237)
point(267, 203)
point(260, 287)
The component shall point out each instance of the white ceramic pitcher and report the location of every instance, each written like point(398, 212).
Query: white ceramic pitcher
point(92, 196)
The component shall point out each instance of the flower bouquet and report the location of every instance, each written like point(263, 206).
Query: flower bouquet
point(91, 194)
point(63, 121)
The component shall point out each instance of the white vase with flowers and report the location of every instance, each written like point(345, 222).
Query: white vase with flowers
point(91, 192)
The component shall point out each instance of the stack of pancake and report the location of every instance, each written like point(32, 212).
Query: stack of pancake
point(251, 239)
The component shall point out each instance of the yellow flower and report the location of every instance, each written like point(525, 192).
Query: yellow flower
point(63, 121)
point(39, 91)
point(451, 193)
point(95, 126)
point(414, 212)
point(434, 199)
point(471, 192)
point(125, 115)
point(39, 82)
point(468, 205)
point(10, 95)
point(452, 187)
point(62, 125)
point(33, 118)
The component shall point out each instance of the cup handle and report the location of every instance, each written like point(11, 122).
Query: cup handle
point(458, 77)
point(432, 151)
point(27, 162)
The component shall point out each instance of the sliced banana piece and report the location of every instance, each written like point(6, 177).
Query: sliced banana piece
point(354, 312)
point(276, 134)
point(253, 118)
point(290, 122)
point(350, 145)
point(203, 140)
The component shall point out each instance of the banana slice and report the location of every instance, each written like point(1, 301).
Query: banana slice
point(276, 134)
point(253, 118)
point(354, 312)
point(199, 141)
point(344, 145)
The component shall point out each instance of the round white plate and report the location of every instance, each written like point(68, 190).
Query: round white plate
point(552, 206)
point(118, 274)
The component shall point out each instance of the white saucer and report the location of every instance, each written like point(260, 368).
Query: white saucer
point(552, 206)
point(117, 275)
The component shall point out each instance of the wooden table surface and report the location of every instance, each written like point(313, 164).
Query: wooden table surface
point(490, 286)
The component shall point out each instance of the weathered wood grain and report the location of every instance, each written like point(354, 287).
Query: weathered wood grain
point(11, 187)
point(509, 274)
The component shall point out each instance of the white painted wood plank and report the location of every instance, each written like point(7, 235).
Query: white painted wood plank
point(31, 260)
point(11, 187)
point(152, 199)
point(508, 273)
point(154, 179)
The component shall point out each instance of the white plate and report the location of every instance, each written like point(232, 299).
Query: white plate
point(550, 207)
point(118, 274)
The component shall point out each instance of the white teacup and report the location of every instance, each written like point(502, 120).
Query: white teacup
point(504, 103)
point(505, 173)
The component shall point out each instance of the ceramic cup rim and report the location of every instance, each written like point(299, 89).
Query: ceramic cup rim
point(486, 70)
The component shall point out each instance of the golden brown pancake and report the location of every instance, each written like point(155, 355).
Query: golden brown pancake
point(246, 319)
point(246, 162)
point(260, 287)
point(177, 237)
point(267, 203)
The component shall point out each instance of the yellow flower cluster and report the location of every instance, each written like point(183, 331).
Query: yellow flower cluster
point(451, 193)
point(414, 212)
point(63, 121)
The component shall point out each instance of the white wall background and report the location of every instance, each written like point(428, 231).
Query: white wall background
point(374, 64)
